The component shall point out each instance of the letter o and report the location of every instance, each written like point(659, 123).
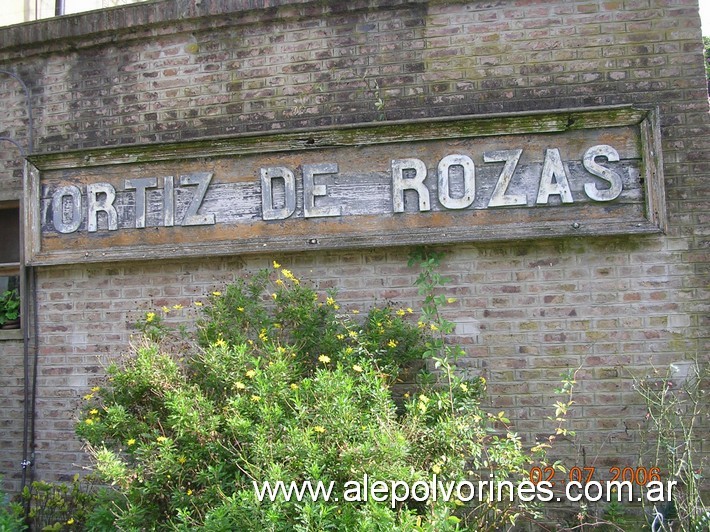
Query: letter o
point(588, 491)
point(415, 493)
point(60, 224)
point(469, 181)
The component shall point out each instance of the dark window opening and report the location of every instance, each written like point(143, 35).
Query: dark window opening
point(9, 235)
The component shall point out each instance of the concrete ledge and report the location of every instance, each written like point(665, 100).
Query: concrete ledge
point(10, 334)
point(119, 23)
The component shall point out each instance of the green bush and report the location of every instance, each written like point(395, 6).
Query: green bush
point(281, 384)
point(59, 506)
point(10, 515)
point(9, 306)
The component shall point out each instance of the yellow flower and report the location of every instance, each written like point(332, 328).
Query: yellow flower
point(88, 396)
point(240, 309)
point(131, 442)
point(421, 324)
point(70, 521)
point(216, 293)
point(239, 385)
point(279, 282)
point(324, 358)
point(406, 395)
point(436, 469)
point(166, 309)
point(276, 265)
point(287, 273)
point(319, 429)
point(294, 386)
point(89, 421)
point(189, 492)
point(464, 387)
point(93, 411)
point(356, 311)
point(392, 343)
point(352, 334)
point(400, 312)
point(330, 301)
point(255, 398)
point(182, 459)
point(274, 296)
point(177, 306)
point(423, 398)
point(95, 389)
point(409, 310)
point(251, 373)
point(340, 336)
point(357, 368)
point(220, 343)
point(150, 316)
point(451, 300)
point(161, 439)
point(433, 327)
point(198, 303)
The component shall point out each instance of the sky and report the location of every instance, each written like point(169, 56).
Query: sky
point(46, 8)
point(705, 16)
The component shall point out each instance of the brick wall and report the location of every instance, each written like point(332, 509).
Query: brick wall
point(526, 311)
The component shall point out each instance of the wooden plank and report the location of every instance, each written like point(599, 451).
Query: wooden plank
point(654, 177)
point(31, 212)
point(352, 135)
point(9, 268)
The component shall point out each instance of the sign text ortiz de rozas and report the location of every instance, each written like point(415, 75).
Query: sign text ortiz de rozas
point(594, 171)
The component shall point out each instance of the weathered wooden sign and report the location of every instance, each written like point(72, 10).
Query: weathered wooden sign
point(590, 171)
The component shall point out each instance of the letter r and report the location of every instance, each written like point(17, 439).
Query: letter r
point(400, 183)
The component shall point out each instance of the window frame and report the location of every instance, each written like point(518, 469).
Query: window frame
point(14, 269)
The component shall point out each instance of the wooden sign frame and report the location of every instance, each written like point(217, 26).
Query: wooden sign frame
point(592, 171)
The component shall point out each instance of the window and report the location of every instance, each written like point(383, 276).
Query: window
point(9, 268)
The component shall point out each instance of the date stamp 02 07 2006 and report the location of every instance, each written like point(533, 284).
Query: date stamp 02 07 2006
point(622, 479)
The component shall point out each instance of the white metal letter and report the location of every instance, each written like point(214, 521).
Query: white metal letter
point(202, 180)
point(105, 204)
point(469, 181)
point(607, 174)
point(553, 181)
point(268, 211)
point(140, 185)
point(74, 205)
point(311, 190)
point(400, 184)
point(499, 198)
point(168, 201)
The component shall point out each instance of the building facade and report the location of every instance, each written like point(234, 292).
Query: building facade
point(120, 111)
